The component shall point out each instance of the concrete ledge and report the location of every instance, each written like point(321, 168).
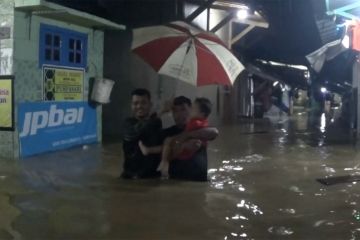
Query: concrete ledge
point(65, 14)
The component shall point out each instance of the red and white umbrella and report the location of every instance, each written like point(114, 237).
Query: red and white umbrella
point(183, 52)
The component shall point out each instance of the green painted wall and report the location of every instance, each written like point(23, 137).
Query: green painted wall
point(28, 74)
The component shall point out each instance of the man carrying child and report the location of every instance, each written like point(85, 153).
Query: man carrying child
point(177, 147)
point(189, 159)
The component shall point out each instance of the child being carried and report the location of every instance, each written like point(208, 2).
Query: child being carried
point(175, 147)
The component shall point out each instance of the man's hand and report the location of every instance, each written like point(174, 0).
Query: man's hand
point(143, 148)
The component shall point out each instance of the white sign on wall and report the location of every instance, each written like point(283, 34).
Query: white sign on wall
point(5, 61)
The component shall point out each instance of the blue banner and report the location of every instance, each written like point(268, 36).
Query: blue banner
point(50, 126)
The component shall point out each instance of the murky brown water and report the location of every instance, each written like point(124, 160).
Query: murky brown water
point(262, 186)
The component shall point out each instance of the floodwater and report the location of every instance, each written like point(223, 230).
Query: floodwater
point(262, 186)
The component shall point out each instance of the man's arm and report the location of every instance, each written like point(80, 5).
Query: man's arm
point(151, 132)
point(150, 150)
point(207, 134)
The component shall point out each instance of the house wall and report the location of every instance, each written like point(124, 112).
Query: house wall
point(28, 74)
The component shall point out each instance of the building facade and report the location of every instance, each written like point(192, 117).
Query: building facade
point(49, 55)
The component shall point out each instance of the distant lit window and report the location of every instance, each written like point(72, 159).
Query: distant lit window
point(60, 46)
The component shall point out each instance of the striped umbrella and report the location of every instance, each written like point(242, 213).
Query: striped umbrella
point(183, 52)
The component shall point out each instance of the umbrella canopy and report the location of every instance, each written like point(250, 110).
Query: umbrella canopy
point(183, 52)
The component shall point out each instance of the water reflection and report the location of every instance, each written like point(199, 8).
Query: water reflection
point(227, 177)
point(255, 209)
point(295, 189)
point(287, 210)
point(262, 186)
point(226, 174)
point(237, 236)
point(282, 231)
point(303, 156)
point(238, 217)
point(323, 123)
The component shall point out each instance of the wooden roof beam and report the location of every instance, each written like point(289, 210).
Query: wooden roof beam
point(199, 10)
point(223, 22)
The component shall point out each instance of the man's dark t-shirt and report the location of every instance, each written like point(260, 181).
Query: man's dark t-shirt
point(194, 169)
point(149, 132)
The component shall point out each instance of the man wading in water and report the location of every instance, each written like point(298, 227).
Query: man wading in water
point(141, 127)
point(194, 168)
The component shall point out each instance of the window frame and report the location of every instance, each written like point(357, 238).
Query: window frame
point(64, 48)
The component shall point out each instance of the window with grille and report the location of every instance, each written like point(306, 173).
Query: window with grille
point(63, 47)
